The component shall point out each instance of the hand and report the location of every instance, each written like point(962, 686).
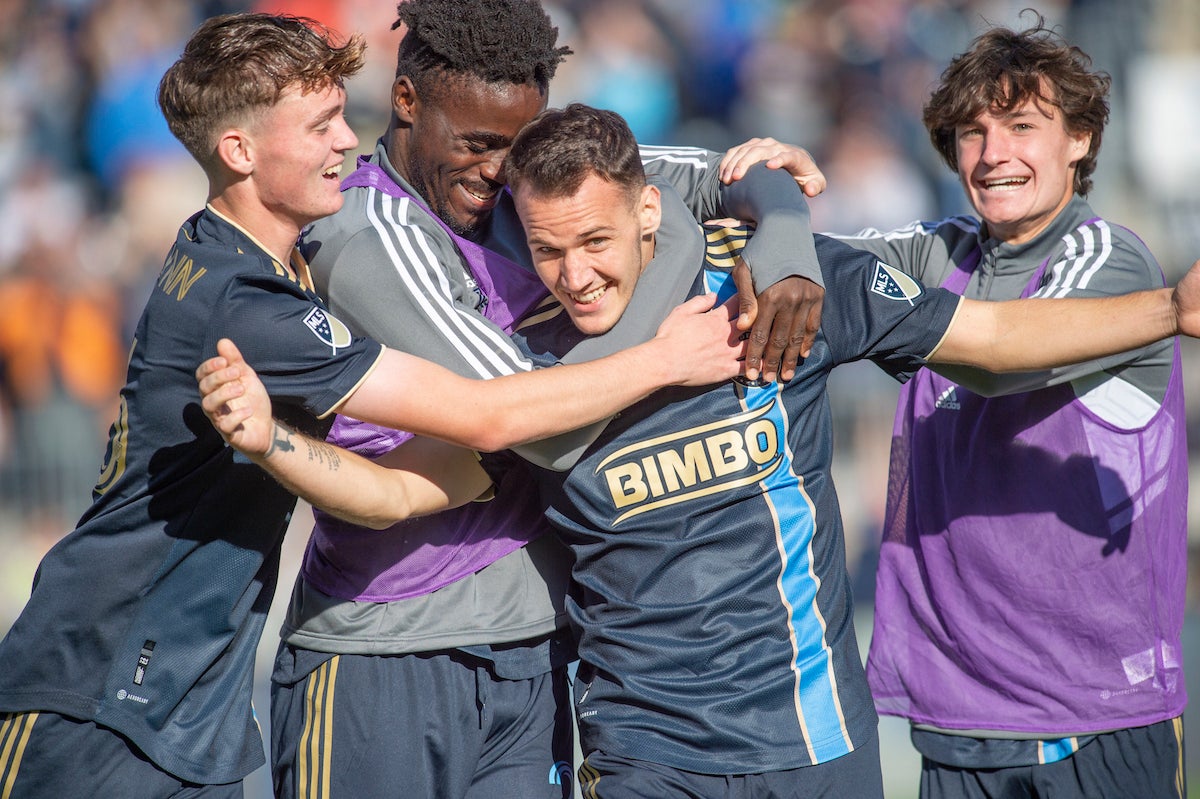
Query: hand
point(782, 322)
point(796, 161)
point(1185, 300)
point(235, 401)
point(701, 346)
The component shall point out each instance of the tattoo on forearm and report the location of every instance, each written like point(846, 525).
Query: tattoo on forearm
point(281, 440)
point(321, 452)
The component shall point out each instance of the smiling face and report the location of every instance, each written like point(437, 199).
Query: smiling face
point(451, 146)
point(1018, 168)
point(299, 147)
point(590, 248)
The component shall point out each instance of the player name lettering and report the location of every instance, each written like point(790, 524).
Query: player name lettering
point(178, 275)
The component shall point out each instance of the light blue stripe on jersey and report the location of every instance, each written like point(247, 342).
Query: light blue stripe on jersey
point(719, 283)
point(1054, 751)
point(819, 707)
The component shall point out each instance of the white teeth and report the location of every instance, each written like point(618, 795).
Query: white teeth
point(1006, 183)
point(333, 171)
point(588, 298)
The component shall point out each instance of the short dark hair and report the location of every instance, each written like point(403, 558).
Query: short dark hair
point(1004, 68)
point(556, 152)
point(235, 64)
point(494, 41)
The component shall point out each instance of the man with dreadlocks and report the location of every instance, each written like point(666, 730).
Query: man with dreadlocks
point(453, 625)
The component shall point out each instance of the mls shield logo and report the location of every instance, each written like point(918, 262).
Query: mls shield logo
point(894, 284)
point(329, 329)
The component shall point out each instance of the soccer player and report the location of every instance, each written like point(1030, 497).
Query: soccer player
point(129, 671)
point(427, 256)
point(716, 640)
point(1031, 586)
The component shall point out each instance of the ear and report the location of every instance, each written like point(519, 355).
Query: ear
point(235, 149)
point(650, 210)
point(404, 99)
point(1080, 145)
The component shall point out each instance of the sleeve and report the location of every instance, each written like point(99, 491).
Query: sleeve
point(404, 285)
point(1096, 260)
point(877, 312)
point(921, 249)
point(304, 355)
point(782, 245)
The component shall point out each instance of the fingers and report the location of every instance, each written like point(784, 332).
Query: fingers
point(743, 281)
point(226, 348)
point(740, 158)
point(772, 330)
point(221, 397)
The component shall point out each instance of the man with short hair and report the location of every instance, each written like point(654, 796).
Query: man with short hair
point(716, 639)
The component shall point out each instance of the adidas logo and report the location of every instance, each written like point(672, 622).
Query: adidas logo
point(948, 400)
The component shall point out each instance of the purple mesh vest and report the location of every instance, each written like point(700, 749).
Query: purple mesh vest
point(421, 555)
point(1033, 564)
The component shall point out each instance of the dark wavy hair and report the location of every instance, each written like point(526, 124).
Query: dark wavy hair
point(1004, 68)
point(236, 64)
point(561, 147)
point(495, 41)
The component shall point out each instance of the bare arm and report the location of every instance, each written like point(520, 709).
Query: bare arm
point(407, 393)
point(1019, 335)
point(423, 476)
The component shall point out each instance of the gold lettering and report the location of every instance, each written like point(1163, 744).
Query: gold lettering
point(177, 275)
point(762, 441)
point(626, 485)
point(727, 452)
point(650, 470)
point(686, 470)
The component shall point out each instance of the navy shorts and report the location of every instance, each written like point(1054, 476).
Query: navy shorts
point(858, 775)
point(1141, 762)
point(48, 756)
point(435, 725)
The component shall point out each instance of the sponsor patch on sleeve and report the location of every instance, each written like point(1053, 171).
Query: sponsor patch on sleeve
point(894, 284)
point(328, 328)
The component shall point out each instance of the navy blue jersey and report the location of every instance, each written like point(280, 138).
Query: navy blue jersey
point(712, 596)
point(146, 617)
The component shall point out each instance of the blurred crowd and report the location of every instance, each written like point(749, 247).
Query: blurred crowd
point(93, 187)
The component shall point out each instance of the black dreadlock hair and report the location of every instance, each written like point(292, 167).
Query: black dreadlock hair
point(496, 41)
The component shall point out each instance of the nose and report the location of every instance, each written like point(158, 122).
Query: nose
point(995, 149)
point(346, 139)
point(576, 273)
point(493, 168)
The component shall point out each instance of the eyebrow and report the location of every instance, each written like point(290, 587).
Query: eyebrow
point(487, 137)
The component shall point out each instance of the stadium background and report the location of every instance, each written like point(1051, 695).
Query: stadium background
point(93, 188)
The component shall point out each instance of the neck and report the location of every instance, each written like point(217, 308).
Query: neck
point(277, 237)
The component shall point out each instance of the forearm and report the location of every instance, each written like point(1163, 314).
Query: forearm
point(782, 245)
point(1022, 335)
point(490, 415)
point(344, 484)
